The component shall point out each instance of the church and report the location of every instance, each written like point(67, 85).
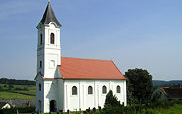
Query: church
point(66, 83)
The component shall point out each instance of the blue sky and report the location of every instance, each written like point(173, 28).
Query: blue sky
point(133, 33)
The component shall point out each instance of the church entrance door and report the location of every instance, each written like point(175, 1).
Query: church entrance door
point(52, 106)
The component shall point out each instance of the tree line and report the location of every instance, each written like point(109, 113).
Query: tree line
point(16, 82)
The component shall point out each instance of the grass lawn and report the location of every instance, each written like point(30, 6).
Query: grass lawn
point(13, 93)
point(176, 109)
point(9, 95)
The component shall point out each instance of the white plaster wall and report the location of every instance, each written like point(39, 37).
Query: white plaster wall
point(71, 101)
point(40, 49)
point(40, 58)
point(50, 93)
point(39, 94)
point(52, 89)
point(47, 52)
point(6, 106)
point(87, 101)
point(83, 100)
point(60, 93)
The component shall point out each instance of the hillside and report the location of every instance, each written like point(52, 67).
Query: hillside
point(167, 83)
point(16, 82)
point(30, 82)
point(17, 91)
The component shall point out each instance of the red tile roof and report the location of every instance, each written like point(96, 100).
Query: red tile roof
point(162, 88)
point(172, 93)
point(76, 68)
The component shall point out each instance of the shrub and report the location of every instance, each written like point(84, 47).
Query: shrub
point(5, 85)
point(10, 86)
point(20, 110)
point(111, 100)
point(112, 105)
point(25, 88)
point(17, 88)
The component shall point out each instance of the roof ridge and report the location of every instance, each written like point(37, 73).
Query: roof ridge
point(87, 58)
point(118, 69)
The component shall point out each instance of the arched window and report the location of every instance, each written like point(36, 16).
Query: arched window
point(39, 106)
point(40, 39)
point(118, 89)
point(90, 90)
point(52, 38)
point(39, 87)
point(74, 90)
point(40, 64)
point(104, 90)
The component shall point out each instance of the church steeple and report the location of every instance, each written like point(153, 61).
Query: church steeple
point(48, 60)
point(49, 16)
point(49, 46)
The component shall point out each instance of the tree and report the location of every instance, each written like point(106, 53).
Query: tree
point(112, 105)
point(5, 85)
point(26, 89)
point(139, 84)
point(16, 82)
point(10, 86)
point(111, 100)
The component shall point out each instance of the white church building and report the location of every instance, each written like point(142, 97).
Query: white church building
point(65, 83)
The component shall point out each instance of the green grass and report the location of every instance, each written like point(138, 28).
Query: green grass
point(5, 93)
point(9, 95)
point(176, 109)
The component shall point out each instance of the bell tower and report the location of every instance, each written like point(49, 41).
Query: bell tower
point(48, 47)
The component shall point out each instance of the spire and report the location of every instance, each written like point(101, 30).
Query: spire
point(49, 16)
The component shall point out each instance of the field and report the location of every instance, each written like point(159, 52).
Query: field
point(17, 91)
point(176, 109)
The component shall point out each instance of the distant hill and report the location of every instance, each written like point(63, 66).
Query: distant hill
point(172, 82)
point(16, 82)
point(30, 82)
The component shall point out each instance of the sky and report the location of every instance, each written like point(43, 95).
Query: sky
point(143, 34)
